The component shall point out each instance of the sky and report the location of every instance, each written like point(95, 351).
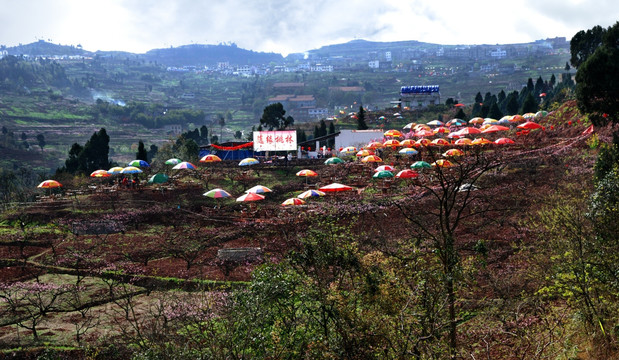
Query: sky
point(293, 26)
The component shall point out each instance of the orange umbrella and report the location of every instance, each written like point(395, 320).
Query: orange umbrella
point(476, 121)
point(442, 163)
point(374, 145)
point(516, 118)
point(364, 153)
point(306, 172)
point(49, 184)
point(407, 143)
point(422, 142)
point(481, 141)
point(439, 142)
point(464, 141)
point(422, 127)
point(100, 173)
point(453, 152)
point(210, 158)
point(371, 158)
point(391, 143)
point(393, 133)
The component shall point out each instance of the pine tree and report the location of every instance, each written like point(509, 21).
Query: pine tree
point(361, 125)
point(141, 154)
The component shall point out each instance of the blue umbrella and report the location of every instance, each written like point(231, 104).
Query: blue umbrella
point(138, 163)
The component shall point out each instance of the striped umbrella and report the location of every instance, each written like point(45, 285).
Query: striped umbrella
point(293, 201)
point(173, 161)
point(248, 161)
point(184, 165)
point(210, 158)
point(115, 170)
point(138, 163)
point(217, 194)
point(49, 184)
point(100, 173)
point(310, 193)
point(131, 170)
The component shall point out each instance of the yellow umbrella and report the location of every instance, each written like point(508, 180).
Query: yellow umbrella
point(371, 158)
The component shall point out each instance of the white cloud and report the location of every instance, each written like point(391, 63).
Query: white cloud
point(293, 25)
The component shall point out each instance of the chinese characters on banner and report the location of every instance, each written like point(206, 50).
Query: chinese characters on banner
point(275, 140)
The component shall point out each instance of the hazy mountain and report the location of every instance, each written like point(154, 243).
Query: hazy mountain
point(199, 55)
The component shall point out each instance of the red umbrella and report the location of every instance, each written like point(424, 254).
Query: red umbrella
point(530, 125)
point(459, 105)
point(407, 174)
point(424, 133)
point(335, 187)
point(503, 141)
point(468, 131)
point(251, 197)
point(494, 128)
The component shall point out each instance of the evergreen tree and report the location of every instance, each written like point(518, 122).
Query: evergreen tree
point(361, 125)
point(71, 165)
point(553, 81)
point(141, 154)
point(495, 112)
point(512, 105)
point(584, 44)
point(529, 105)
point(501, 96)
point(597, 79)
point(152, 153)
point(331, 142)
point(204, 134)
point(479, 98)
point(460, 114)
point(530, 85)
point(539, 86)
point(301, 137)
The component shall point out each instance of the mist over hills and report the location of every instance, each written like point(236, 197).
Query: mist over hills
point(199, 54)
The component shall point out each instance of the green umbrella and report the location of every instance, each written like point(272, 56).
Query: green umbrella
point(333, 160)
point(421, 165)
point(158, 179)
point(173, 161)
point(383, 174)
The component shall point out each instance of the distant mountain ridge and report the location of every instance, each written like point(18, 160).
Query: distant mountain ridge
point(200, 55)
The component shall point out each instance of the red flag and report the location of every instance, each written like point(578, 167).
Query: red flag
point(588, 130)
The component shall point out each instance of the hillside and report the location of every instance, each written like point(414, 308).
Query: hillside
point(356, 257)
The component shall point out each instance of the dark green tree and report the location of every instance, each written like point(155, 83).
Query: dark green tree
point(24, 136)
point(331, 142)
point(141, 154)
point(301, 137)
point(361, 125)
point(553, 81)
point(529, 105)
point(152, 152)
point(530, 85)
point(479, 98)
point(274, 117)
point(584, 44)
point(512, 105)
point(72, 164)
point(495, 112)
point(501, 96)
point(238, 134)
point(221, 120)
point(41, 140)
point(204, 134)
point(460, 114)
point(597, 91)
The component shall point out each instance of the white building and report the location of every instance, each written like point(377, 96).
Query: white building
point(374, 64)
point(498, 54)
point(357, 138)
point(388, 56)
